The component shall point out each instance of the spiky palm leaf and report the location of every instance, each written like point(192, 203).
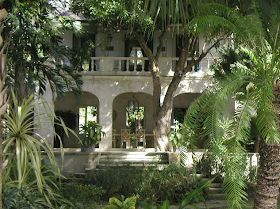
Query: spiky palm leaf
point(31, 158)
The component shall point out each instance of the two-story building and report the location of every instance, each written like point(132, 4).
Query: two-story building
point(115, 77)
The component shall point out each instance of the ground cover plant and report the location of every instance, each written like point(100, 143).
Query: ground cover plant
point(172, 183)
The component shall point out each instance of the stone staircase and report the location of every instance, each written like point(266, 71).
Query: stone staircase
point(215, 199)
point(132, 159)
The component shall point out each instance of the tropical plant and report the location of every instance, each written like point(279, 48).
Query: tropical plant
point(123, 203)
point(91, 133)
point(82, 195)
point(257, 80)
point(31, 161)
point(188, 19)
point(175, 136)
point(189, 198)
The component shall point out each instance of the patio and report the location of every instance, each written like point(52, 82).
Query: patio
point(127, 139)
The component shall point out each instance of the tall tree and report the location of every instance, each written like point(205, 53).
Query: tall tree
point(3, 93)
point(257, 79)
point(190, 19)
point(36, 55)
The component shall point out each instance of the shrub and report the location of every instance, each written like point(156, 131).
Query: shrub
point(29, 197)
point(82, 195)
point(23, 198)
point(171, 183)
point(122, 203)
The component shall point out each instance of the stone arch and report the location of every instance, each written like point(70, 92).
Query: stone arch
point(119, 110)
point(68, 108)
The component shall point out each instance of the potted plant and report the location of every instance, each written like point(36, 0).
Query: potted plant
point(91, 134)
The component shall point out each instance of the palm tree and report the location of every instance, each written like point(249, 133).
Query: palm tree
point(258, 81)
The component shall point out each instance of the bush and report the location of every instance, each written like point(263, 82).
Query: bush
point(24, 198)
point(171, 183)
point(29, 197)
point(122, 203)
point(82, 195)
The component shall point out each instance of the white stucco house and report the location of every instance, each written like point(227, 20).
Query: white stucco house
point(115, 75)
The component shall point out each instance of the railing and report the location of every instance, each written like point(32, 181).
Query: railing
point(139, 65)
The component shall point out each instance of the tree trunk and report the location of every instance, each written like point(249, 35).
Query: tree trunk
point(162, 123)
point(162, 117)
point(267, 190)
point(3, 107)
point(20, 88)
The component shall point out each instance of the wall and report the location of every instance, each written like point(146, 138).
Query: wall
point(106, 88)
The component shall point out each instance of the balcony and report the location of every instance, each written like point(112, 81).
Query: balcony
point(131, 66)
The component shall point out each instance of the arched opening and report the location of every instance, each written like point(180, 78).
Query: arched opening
point(132, 112)
point(181, 104)
point(180, 107)
point(76, 110)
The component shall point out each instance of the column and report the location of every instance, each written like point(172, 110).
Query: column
point(106, 121)
point(44, 116)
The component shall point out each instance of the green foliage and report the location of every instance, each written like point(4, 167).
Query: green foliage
point(24, 198)
point(22, 147)
point(28, 197)
point(175, 135)
point(250, 78)
point(36, 54)
point(188, 199)
point(32, 166)
point(145, 17)
point(134, 117)
point(171, 183)
point(123, 203)
point(91, 133)
point(82, 195)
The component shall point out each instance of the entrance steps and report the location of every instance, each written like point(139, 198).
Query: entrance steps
point(139, 159)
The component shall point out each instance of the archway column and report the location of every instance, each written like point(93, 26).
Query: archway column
point(105, 120)
point(44, 116)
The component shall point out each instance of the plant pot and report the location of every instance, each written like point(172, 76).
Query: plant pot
point(88, 149)
point(134, 144)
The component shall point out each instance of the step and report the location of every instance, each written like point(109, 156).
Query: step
point(213, 190)
point(133, 156)
point(210, 204)
point(108, 164)
point(216, 185)
point(133, 160)
point(220, 196)
point(132, 153)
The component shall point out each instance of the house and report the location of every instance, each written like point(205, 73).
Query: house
point(117, 91)
point(115, 76)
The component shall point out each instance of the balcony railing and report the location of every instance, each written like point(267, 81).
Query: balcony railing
point(138, 66)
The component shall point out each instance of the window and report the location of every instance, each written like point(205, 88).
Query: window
point(86, 114)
